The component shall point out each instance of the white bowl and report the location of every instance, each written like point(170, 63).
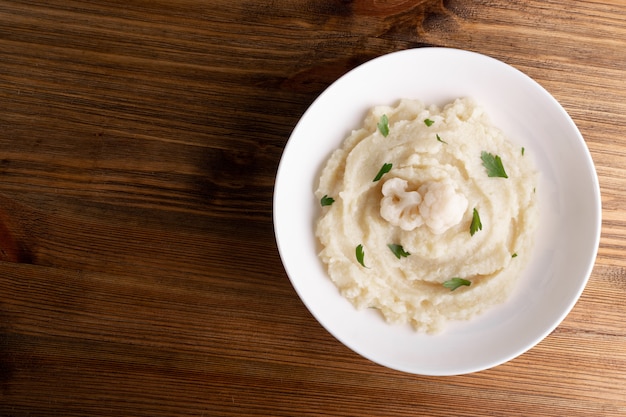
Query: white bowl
point(569, 198)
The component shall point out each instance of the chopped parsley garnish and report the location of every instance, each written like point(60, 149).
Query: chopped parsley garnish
point(360, 255)
point(428, 122)
point(441, 140)
point(523, 151)
point(493, 163)
point(514, 255)
point(383, 125)
point(398, 250)
point(383, 170)
point(454, 283)
point(476, 224)
point(327, 201)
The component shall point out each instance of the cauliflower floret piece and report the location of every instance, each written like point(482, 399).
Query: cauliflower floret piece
point(400, 207)
point(435, 203)
point(442, 207)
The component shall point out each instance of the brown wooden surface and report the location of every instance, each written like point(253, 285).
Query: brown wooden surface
point(139, 142)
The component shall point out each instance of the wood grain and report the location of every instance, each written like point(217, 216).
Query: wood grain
point(139, 143)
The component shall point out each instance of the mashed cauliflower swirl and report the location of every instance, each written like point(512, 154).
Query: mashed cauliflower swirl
point(434, 215)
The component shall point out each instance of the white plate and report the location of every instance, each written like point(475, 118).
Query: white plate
point(569, 198)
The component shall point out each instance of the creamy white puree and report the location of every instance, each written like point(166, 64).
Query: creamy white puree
point(425, 204)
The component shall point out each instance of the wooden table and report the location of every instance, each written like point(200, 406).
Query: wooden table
point(139, 142)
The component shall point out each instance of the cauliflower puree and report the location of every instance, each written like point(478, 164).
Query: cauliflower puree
point(413, 203)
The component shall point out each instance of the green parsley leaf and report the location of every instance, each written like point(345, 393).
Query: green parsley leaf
point(454, 283)
point(523, 151)
point(398, 250)
point(360, 255)
point(476, 224)
point(383, 125)
point(428, 122)
point(441, 140)
point(514, 255)
point(383, 170)
point(327, 201)
point(493, 165)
